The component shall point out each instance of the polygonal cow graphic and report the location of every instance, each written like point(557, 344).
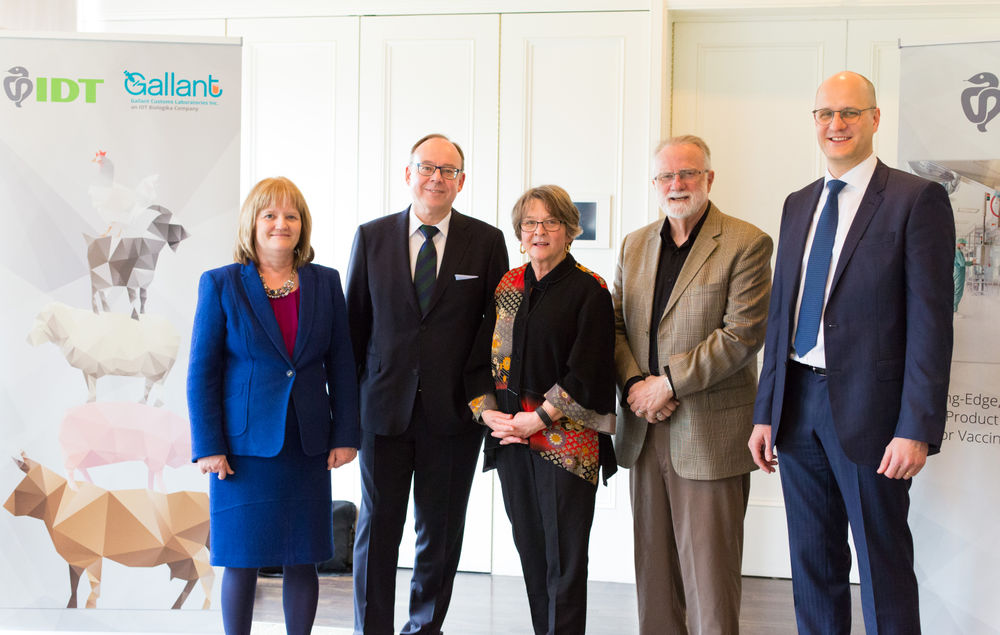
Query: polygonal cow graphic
point(137, 528)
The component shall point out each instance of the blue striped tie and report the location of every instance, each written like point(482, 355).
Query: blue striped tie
point(817, 270)
point(426, 270)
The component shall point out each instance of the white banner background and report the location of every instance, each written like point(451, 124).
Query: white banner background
point(956, 499)
point(180, 152)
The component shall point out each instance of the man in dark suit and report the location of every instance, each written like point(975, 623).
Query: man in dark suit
point(856, 365)
point(418, 286)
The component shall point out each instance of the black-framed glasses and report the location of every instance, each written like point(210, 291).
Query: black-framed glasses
point(847, 115)
point(550, 224)
point(684, 175)
point(427, 169)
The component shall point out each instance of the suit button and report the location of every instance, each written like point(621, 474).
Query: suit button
point(422, 328)
point(289, 373)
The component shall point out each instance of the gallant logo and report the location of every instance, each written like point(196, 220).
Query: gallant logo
point(170, 85)
point(981, 103)
point(18, 87)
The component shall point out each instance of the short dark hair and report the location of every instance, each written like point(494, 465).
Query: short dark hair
point(437, 135)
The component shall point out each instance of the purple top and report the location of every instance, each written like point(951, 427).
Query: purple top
point(286, 311)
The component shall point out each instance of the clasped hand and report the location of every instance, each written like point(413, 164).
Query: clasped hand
point(652, 399)
point(512, 428)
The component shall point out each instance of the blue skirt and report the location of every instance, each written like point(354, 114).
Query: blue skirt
point(274, 510)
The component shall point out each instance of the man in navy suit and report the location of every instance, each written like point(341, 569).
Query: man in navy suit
point(418, 286)
point(856, 365)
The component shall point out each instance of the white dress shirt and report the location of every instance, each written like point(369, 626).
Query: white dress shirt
point(857, 179)
point(417, 239)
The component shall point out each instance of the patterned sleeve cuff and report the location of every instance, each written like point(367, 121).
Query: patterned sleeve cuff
point(481, 404)
point(577, 413)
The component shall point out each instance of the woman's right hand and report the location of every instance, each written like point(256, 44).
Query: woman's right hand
point(501, 425)
point(217, 464)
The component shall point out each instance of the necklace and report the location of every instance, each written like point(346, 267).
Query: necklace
point(281, 291)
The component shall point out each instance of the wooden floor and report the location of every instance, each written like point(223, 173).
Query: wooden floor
point(496, 605)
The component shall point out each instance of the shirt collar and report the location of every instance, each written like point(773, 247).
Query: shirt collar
point(415, 224)
point(857, 177)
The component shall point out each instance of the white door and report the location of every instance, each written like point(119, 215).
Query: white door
point(747, 88)
point(574, 111)
point(422, 74)
point(300, 80)
point(300, 108)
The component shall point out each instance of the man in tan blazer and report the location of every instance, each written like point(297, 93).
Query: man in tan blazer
point(691, 295)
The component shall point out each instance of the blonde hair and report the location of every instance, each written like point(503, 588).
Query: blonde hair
point(556, 201)
point(268, 192)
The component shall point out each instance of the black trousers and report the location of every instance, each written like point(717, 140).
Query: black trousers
point(551, 512)
point(441, 469)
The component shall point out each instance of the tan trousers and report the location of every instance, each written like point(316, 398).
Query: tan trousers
point(688, 544)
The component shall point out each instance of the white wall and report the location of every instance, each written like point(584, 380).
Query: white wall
point(335, 102)
point(745, 81)
point(741, 73)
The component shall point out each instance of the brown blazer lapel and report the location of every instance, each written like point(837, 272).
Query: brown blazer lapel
point(702, 248)
point(643, 262)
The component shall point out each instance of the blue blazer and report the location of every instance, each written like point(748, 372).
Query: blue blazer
point(888, 319)
point(241, 378)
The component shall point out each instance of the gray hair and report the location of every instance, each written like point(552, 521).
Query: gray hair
point(687, 139)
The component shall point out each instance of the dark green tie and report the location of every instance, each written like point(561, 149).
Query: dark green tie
point(425, 272)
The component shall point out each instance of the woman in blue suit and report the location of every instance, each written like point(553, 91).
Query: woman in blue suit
point(272, 395)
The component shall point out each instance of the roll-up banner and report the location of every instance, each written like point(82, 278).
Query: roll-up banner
point(119, 183)
point(950, 133)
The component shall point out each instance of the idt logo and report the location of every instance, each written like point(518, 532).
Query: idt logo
point(170, 85)
point(18, 87)
point(981, 103)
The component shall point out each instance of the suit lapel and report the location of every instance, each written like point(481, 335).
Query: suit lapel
point(702, 248)
point(794, 235)
point(308, 288)
point(644, 262)
point(262, 308)
point(866, 211)
point(399, 255)
point(458, 240)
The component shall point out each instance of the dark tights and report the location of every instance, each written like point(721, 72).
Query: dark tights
point(299, 595)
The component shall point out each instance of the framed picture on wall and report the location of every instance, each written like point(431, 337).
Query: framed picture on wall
point(595, 219)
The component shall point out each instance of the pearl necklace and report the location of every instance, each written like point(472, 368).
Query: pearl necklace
point(281, 291)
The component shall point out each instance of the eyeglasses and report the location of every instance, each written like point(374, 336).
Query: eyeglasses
point(427, 169)
point(550, 224)
point(684, 175)
point(847, 115)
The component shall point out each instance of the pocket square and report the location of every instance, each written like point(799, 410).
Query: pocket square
point(464, 276)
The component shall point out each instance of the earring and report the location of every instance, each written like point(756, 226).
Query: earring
point(568, 245)
point(523, 250)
